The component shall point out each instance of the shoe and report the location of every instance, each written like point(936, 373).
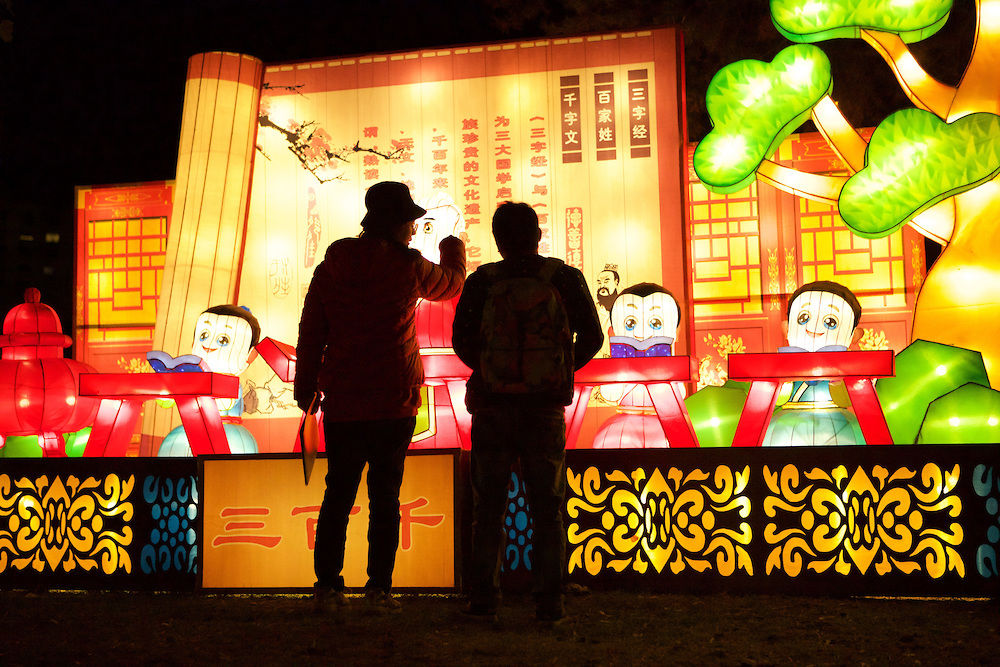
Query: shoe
point(329, 600)
point(550, 617)
point(382, 602)
point(480, 612)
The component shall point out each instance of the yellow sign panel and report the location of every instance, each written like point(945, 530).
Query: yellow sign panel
point(260, 524)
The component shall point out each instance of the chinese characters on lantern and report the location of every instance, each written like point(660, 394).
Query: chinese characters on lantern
point(314, 229)
point(569, 107)
point(439, 160)
point(638, 112)
point(248, 526)
point(502, 152)
point(369, 162)
point(538, 172)
point(604, 115)
point(471, 186)
point(574, 237)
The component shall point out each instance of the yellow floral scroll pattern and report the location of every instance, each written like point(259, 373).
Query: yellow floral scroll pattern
point(791, 277)
point(56, 525)
point(888, 520)
point(690, 520)
point(773, 286)
point(917, 262)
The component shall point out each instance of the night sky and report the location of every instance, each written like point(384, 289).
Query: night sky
point(91, 91)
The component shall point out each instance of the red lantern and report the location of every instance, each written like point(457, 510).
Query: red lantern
point(38, 386)
point(433, 323)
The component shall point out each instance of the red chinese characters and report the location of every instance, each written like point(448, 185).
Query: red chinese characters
point(243, 527)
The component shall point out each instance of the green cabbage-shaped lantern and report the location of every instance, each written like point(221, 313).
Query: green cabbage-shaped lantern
point(715, 412)
point(76, 442)
point(967, 415)
point(924, 372)
point(21, 447)
point(913, 161)
point(818, 20)
point(754, 106)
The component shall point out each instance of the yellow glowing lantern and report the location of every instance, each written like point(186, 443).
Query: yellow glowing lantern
point(214, 162)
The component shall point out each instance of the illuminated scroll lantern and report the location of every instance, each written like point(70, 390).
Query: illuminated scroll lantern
point(38, 386)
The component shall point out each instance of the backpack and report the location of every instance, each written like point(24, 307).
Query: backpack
point(527, 343)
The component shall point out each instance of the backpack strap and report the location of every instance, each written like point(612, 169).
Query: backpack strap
point(549, 269)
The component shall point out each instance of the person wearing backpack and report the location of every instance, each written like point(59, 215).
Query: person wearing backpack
point(524, 325)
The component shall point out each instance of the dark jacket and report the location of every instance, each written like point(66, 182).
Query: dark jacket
point(580, 311)
point(357, 338)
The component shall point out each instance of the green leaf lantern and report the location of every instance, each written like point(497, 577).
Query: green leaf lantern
point(76, 442)
point(21, 447)
point(818, 20)
point(913, 161)
point(754, 106)
point(715, 412)
point(967, 415)
point(925, 371)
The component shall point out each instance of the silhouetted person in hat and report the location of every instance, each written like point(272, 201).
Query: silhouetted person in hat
point(369, 377)
point(523, 325)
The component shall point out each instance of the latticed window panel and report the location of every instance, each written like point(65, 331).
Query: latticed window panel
point(725, 251)
point(872, 268)
point(124, 270)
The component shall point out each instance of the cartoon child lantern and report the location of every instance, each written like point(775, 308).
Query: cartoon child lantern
point(224, 340)
point(644, 321)
point(443, 218)
point(822, 317)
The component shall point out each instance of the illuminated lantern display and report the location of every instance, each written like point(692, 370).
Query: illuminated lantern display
point(644, 321)
point(822, 317)
point(934, 167)
point(207, 232)
point(76, 442)
point(22, 447)
point(224, 340)
point(754, 106)
point(926, 371)
point(715, 412)
point(38, 386)
point(967, 415)
point(434, 318)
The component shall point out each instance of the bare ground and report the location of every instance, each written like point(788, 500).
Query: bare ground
point(603, 628)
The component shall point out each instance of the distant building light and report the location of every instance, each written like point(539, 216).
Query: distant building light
point(52, 237)
point(48, 270)
point(27, 237)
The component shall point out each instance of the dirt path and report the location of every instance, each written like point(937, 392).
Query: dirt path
point(603, 628)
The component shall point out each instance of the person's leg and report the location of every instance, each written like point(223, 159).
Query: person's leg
point(542, 450)
point(389, 440)
point(345, 463)
point(491, 458)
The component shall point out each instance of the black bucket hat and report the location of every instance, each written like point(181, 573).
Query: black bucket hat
point(389, 205)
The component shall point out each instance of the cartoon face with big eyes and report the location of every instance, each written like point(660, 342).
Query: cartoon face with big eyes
point(442, 219)
point(642, 317)
point(818, 319)
point(223, 341)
